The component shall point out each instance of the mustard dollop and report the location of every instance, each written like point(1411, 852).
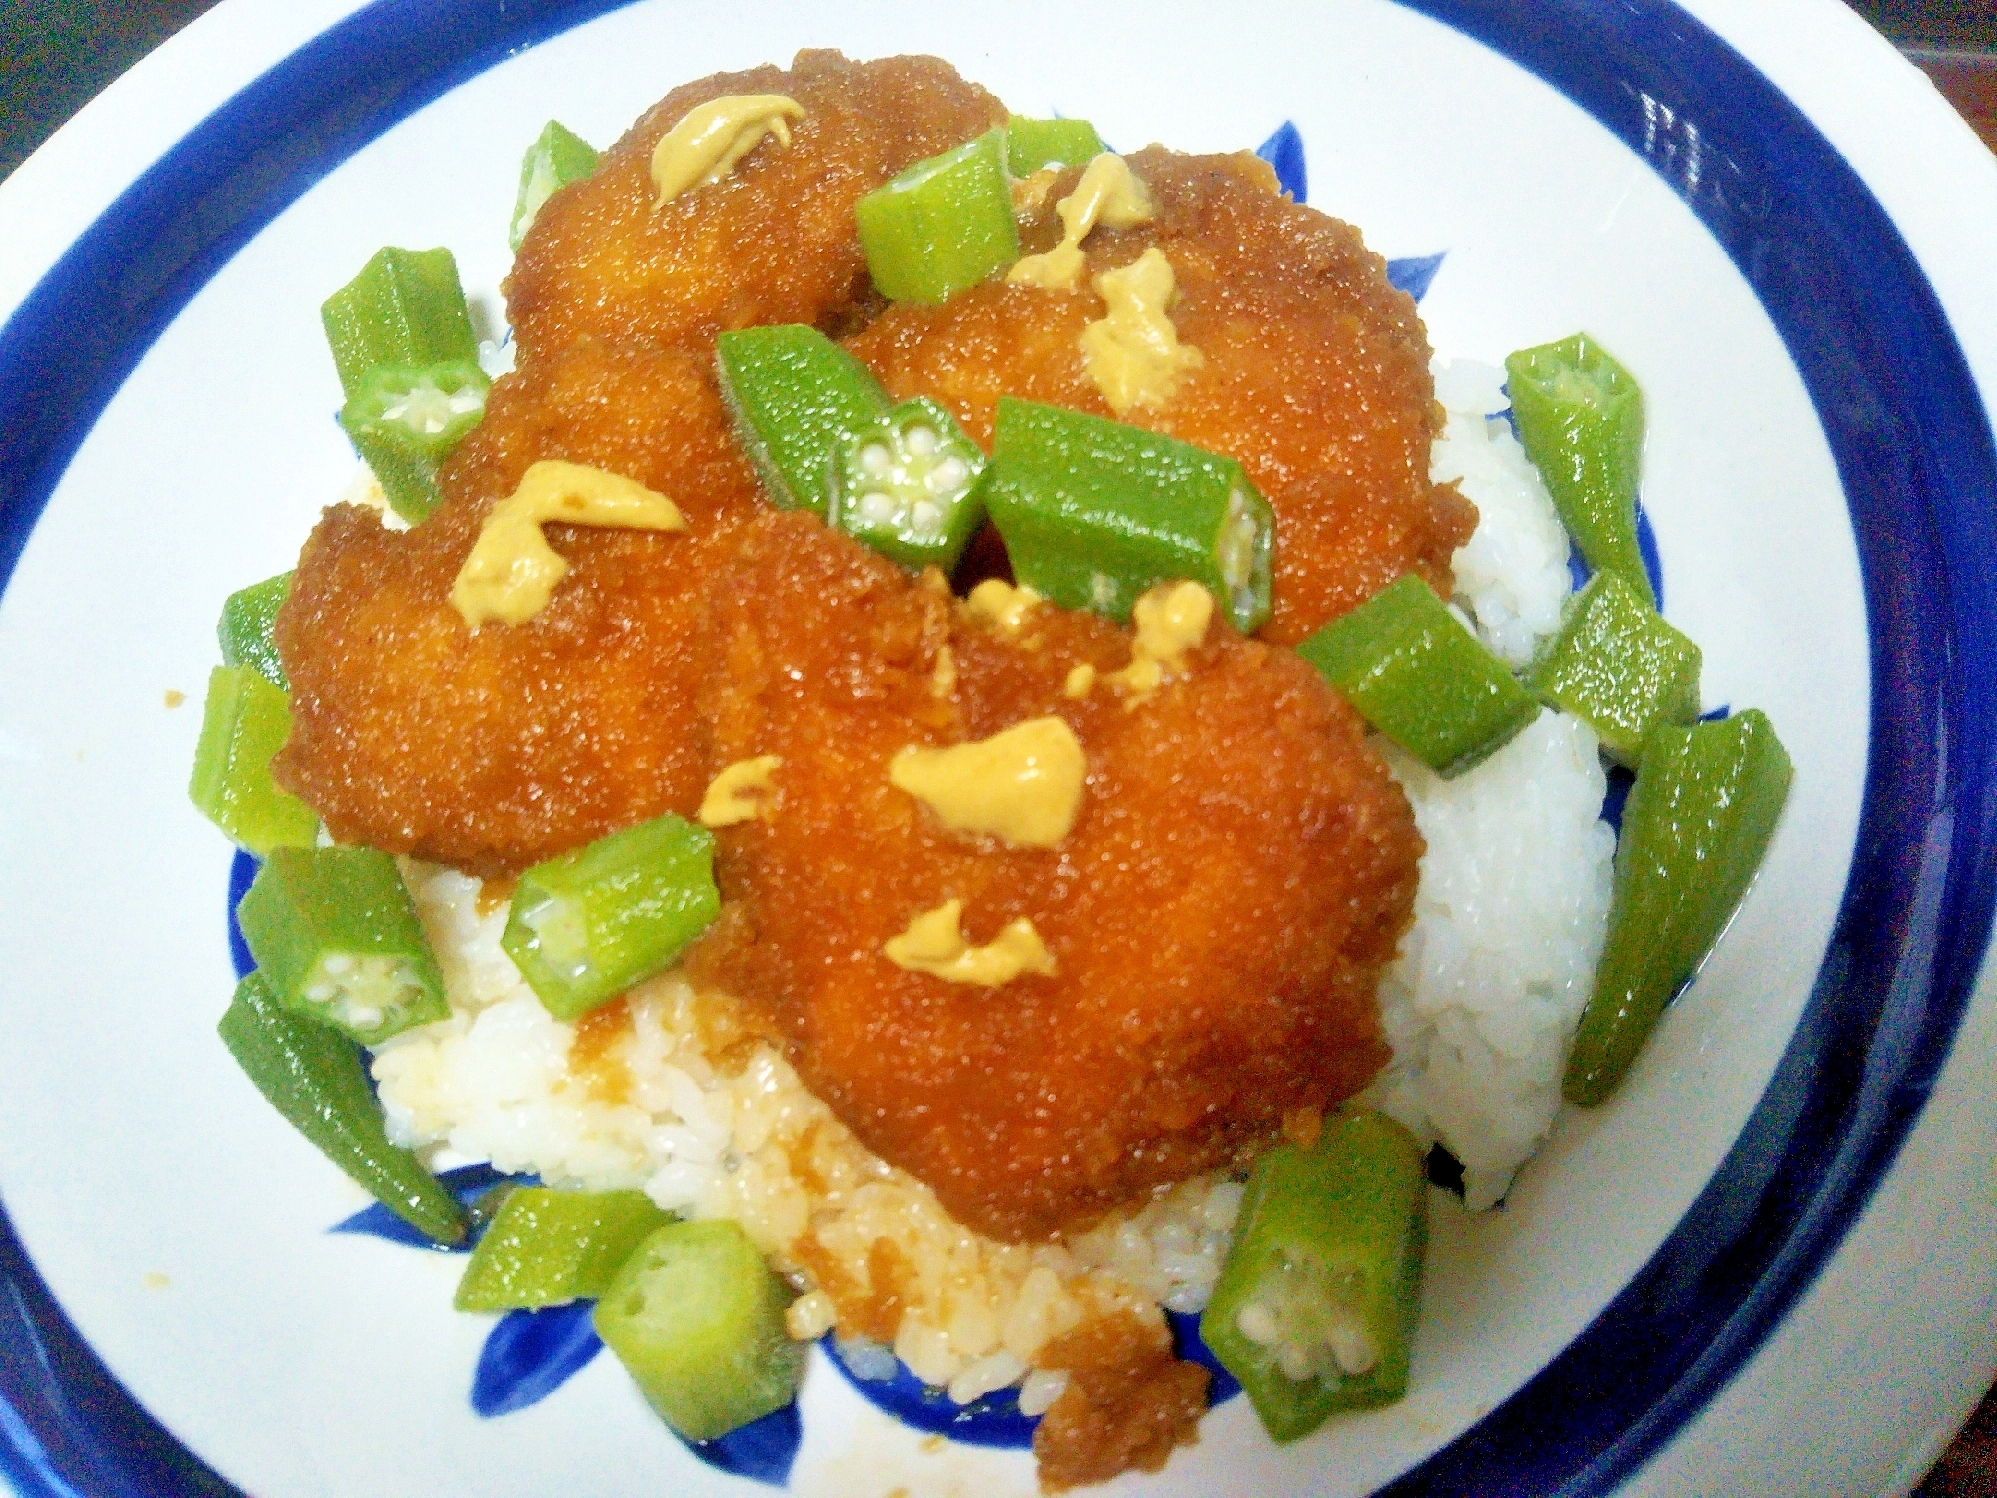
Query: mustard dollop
point(512, 570)
point(705, 146)
point(1023, 786)
point(1133, 352)
point(934, 944)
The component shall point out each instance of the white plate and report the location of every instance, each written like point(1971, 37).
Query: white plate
point(1794, 260)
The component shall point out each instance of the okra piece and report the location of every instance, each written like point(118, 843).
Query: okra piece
point(1094, 512)
point(406, 307)
point(335, 934)
point(1315, 1307)
point(909, 487)
point(1032, 144)
point(405, 420)
point(797, 399)
point(697, 1319)
point(244, 722)
point(588, 924)
point(246, 630)
point(942, 225)
point(558, 157)
point(547, 1248)
point(1415, 673)
point(1696, 825)
point(316, 1080)
point(1619, 666)
point(1580, 417)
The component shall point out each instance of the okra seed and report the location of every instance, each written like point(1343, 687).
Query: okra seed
point(926, 516)
point(1257, 1324)
point(1353, 1349)
point(922, 441)
point(876, 461)
point(948, 476)
point(875, 508)
point(337, 964)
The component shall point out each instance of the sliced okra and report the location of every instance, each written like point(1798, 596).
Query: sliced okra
point(335, 934)
point(247, 628)
point(1415, 673)
point(406, 307)
point(1094, 512)
point(944, 224)
point(588, 924)
point(558, 157)
point(245, 720)
point(797, 398)
point(405, 420)
point(908, 486)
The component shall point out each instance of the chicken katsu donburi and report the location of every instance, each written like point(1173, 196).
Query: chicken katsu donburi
point(1057, 887)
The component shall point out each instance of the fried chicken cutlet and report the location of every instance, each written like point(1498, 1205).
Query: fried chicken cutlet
point(1314, 373)
point(772, 243)
point(495, 750)
point(1241, 868)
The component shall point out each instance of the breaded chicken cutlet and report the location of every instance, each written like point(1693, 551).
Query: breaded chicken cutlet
point(1242, 866)
point(1240, 869)
point(1313, 372)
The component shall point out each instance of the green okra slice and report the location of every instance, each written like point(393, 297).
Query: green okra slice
point(588, 924)
point(1032, 144)
point(1695, 827)
point(406, 307)
point(404, 420)
point(247, 629)
point(244, 722)
point(797, 398)
point(942, 225)
point(697, 1319)
point(1093, 512)
point(909, 486)
point(315, 1078)
point(1620, 666)
point(1418, 675)
point(558, 157)
point(1579, 416)
point(547, 1248)
point(1316, 1305)
point(335, 934)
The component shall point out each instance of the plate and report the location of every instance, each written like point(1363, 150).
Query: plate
point(1758, 206)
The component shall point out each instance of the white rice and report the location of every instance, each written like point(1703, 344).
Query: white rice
point(1512, 577)
point(1480, 1009)
point(1493, 976)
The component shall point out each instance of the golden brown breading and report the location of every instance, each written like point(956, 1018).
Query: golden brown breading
point(1315, 374)
point(492, 751)
point(774, 242)
point(1241, 869)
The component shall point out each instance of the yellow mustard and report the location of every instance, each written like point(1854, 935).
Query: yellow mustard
point(1109, 194)
point(1133, 353)
point(705, 146)
point(1171, 619)
point(512, 570)
point(739, 793)
point(934, 944)
point(1001, 606)
point(1081, 681)
point(1023, 786)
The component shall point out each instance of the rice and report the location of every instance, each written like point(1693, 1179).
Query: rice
point(711, 1122)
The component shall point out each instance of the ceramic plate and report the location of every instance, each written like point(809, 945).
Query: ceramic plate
point(1774, 223)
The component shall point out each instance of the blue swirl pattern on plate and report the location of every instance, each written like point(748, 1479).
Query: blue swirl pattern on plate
point(1903, 422)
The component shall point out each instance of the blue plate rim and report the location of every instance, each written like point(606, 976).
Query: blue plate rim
point(1913, 446)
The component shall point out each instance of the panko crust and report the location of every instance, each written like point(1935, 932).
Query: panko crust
point(774, 242)
point(493, 750)
point(1315, 373)
point(1241, 869)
